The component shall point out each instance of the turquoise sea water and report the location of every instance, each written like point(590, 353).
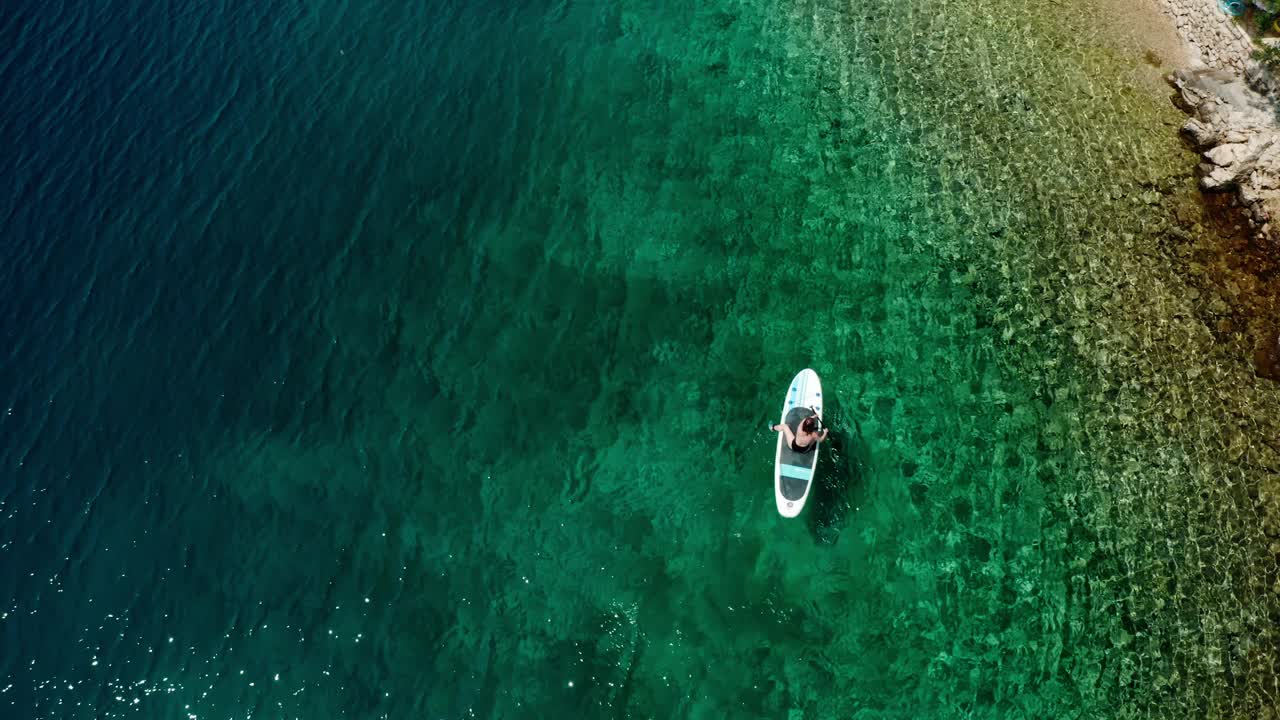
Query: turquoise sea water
point(414, 361)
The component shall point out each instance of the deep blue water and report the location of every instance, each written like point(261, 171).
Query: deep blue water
point(197, 198)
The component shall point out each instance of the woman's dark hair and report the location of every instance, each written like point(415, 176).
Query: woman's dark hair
point(810, 424)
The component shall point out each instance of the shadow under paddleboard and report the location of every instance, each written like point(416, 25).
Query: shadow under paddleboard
point(838, 486)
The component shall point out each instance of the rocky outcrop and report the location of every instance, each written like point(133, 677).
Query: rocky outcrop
point(1233, 105)
point(1235, 130)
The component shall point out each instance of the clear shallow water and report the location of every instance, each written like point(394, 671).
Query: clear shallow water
point(265, 264)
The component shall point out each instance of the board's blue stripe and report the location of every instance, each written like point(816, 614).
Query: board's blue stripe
point(797, 472)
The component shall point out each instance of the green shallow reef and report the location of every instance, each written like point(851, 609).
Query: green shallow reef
point(1051, 493)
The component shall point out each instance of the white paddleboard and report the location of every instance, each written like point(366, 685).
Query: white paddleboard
point(793, 471)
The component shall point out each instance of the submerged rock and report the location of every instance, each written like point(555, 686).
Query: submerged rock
point(1267, 357)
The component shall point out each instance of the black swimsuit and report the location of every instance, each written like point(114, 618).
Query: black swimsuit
point(804, 448)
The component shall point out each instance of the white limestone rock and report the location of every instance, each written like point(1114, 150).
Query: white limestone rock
point(1233, 105)
point(1227, 155)
point(1201, 134)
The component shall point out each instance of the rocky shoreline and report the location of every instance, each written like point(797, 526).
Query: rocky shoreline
point(1214, 39)
point(1232, 100)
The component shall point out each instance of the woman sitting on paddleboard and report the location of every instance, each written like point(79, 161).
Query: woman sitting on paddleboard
point(808, 438)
